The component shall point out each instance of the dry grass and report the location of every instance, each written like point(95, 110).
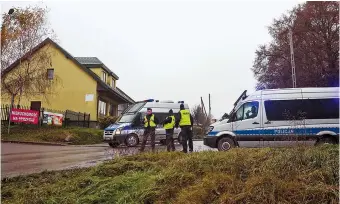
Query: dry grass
point(267, 175)
point(72, 135)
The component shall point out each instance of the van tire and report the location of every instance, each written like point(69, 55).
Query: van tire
point(132, 140)
point(225, 144)
point(326, 140)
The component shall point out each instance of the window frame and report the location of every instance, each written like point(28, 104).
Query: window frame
point(235, 116)
point(48, 71)
point(102, 106)
point(305, 107)
point(242, 106)
point(113, 83)
point(104, 76)
point(257, 109)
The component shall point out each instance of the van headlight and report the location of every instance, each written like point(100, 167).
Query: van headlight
point(118, 131)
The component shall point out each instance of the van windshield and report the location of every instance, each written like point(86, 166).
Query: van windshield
point(127, 118)
point(135, 108)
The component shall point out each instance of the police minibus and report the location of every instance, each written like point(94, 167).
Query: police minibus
point(129, 129)
point(274, 117)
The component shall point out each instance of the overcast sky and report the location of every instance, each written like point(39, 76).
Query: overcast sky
point(169, 50)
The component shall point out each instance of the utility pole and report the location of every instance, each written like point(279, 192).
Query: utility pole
point(203, 107)
point(290, 37)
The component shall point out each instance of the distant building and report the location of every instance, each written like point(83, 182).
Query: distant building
point(87, 85)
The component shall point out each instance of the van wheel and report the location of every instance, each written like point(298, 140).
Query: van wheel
point(113, 144)
point(131, 140)
point(326, 140)
point(225, 144)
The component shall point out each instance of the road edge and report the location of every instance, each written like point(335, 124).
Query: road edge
point(34, 143)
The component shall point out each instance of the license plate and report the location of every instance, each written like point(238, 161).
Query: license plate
point(107, 138)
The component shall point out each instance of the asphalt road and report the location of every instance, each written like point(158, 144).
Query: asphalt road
point(21, 159)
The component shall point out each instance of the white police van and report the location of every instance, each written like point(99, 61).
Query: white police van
point(129, 129)
point(274, 117)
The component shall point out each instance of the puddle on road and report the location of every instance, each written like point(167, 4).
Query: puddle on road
point(93, 159)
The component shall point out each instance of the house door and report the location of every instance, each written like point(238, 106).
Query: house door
point(36, 105)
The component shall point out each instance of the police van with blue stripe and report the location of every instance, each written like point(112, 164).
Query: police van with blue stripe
point(274, 117)
point(128, 129)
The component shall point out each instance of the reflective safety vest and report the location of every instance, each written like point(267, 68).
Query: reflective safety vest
point(152, 121)
point(170, 125)
point(185, 118)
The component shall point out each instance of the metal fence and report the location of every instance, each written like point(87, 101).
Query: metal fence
point(70, 118)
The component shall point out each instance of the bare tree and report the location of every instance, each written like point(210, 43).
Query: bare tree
point(200, 119)
point(23, 64)
point(198, 115)
point(315, 27)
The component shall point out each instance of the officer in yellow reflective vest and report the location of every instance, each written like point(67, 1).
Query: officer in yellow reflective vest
point(185, 121)
point(169, 125)
point(150, 123)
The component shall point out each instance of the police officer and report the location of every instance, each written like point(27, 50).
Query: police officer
point(150, 123)
point(169, 124)
point(185, 121)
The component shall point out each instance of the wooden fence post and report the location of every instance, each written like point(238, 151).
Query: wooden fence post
point(78, 119)
point(88, 120)
point(7, 114)
point(84, 120)
point(65, 118)
point(41, 116)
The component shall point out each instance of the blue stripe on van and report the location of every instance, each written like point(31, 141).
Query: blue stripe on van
point(299, 131)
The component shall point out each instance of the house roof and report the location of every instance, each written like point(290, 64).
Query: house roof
point(68, 56)
point(89, 60)
point(94, 62)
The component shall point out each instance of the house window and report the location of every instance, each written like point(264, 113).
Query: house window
point(50, 74)
point(102, 108)
point(113, 83)
point(104, 76)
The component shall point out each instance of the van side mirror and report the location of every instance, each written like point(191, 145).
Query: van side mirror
point(233, 117)
point(225, 116)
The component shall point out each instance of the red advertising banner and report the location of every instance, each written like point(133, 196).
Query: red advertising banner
point(24, 116)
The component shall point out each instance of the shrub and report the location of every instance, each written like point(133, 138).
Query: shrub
point(198, 132)
point(106, 121)
point(73, 135)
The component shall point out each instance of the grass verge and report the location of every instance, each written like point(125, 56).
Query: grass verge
point(267, 175)
point(71, 135)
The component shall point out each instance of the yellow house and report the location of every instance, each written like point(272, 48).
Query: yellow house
point(86, 84)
